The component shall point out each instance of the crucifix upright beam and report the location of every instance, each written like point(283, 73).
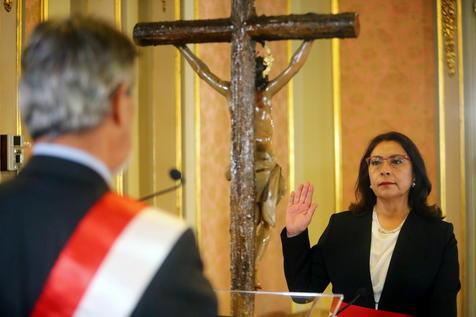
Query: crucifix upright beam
point(242, 29)
point(242, 168)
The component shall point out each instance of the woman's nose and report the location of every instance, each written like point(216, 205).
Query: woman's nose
point(385, 168)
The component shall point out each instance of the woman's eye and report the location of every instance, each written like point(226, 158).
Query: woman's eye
point(396, 160)
point(375, 162)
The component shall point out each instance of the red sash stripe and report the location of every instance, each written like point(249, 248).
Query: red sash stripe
point(83, 254)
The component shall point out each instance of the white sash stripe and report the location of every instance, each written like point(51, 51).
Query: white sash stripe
point(132, 262)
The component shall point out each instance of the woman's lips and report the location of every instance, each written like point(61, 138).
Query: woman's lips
point(386, 183)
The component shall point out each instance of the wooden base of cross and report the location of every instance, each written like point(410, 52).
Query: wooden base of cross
point(242, 29)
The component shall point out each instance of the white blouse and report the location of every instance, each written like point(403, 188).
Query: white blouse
point(381, 250)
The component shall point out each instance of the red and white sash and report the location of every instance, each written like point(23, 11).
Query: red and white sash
point(109, 260)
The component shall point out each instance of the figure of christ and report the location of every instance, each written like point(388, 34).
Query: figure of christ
point(270, 183)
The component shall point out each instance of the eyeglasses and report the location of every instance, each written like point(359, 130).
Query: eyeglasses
point(395, 160)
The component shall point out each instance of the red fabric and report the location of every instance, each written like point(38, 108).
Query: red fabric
point(358, 311)
point(83, 254)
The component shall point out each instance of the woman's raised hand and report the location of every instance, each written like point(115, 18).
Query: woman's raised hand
point(300, 209)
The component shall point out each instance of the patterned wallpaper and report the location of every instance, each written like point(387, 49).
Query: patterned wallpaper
point(389, 81)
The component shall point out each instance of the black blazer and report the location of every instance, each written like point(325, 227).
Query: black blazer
point(40, 208)
point(422, 278)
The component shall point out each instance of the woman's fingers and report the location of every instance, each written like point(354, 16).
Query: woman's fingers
point(297, 197)
point(291, 199)
point(309, 193)
point(302, 196)
point(305, 190)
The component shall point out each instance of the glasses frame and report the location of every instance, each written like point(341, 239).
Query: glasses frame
point(367, 160)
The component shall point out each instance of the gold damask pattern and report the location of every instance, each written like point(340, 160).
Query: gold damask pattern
point(448, 13)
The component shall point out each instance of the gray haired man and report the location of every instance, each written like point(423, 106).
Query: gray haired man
point(69, 245)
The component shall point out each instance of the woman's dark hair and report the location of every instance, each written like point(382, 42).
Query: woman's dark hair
point(417, 198)
point(261, 81)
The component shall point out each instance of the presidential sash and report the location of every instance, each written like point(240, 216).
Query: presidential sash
point(109, 260)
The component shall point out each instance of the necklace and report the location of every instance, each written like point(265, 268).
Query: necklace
point(385, 231)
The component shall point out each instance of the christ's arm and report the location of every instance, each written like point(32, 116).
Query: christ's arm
point(223, 87)
point(297, 61)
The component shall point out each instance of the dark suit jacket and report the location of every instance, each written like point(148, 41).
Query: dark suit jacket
point(422, 277)
point(39, 210)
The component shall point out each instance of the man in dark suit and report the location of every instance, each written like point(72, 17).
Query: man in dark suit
point(69, 246)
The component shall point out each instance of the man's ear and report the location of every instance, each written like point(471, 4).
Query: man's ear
point(118, 111)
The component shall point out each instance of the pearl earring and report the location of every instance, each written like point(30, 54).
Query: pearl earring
point(413, 184)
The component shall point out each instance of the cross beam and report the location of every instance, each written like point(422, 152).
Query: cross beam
point(242, 29)
point(265, 28)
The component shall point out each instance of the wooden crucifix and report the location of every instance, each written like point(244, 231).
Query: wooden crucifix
point(242, 29)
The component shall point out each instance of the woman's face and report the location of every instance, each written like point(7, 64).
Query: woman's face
point(390, 171)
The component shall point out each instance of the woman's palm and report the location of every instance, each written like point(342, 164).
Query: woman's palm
point(300, 209)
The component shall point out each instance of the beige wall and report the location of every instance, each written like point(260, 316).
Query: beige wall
point(159, 144)
point(313, 107)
